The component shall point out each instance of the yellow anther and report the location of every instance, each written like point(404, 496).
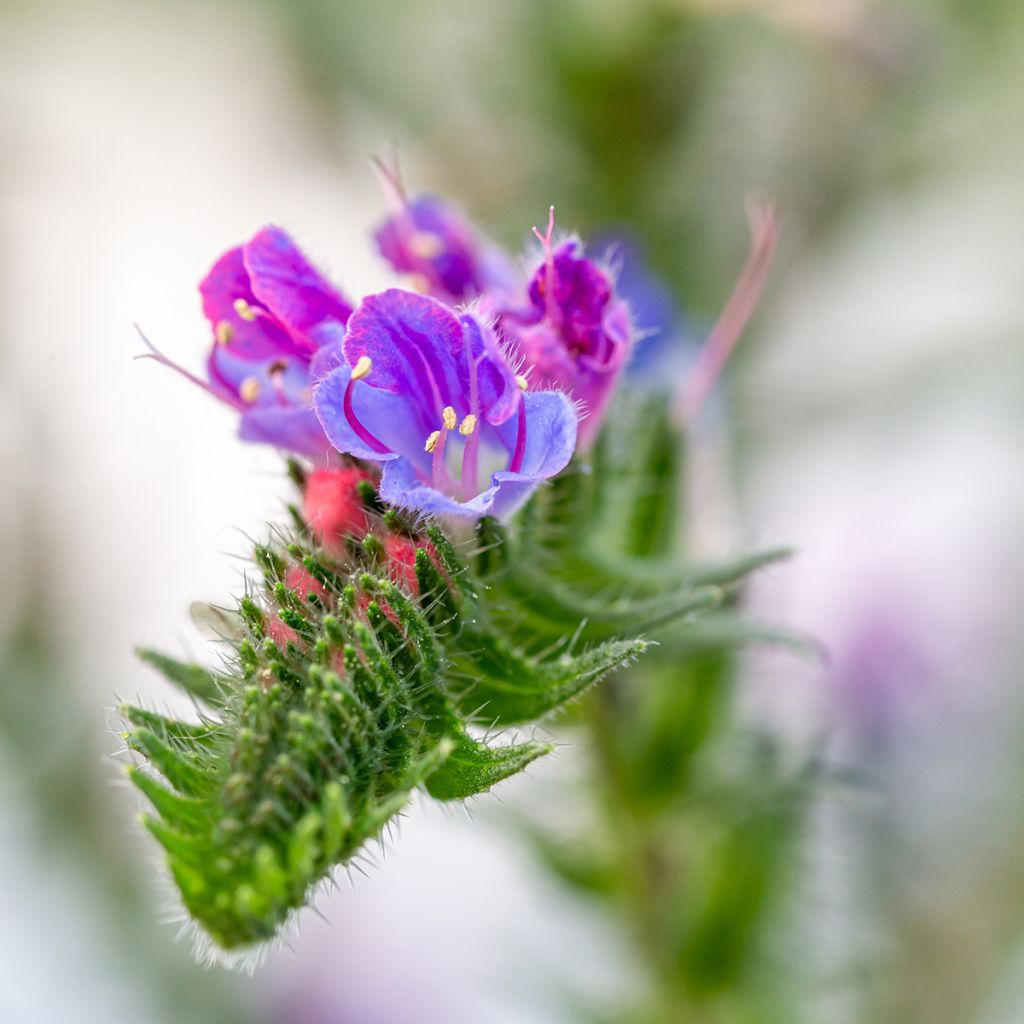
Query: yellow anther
point(224, 332)
point(522, 382)
point(244, 310)
point(468, 425)
point(249, 389)
point(449, 418)
point(432, 441)
point(364, 364)
point(419, 283)
point(425, 245)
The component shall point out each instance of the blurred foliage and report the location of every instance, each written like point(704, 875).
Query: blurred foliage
point(691, 822)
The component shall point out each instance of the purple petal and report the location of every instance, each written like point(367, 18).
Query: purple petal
point(496, 388)
point(228, 281)
point(294, 291)
point(582, 290)
point(411, 340)
point(456, 263)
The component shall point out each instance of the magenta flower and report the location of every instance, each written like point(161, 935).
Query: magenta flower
point(573, 333)
point(428, 393)
point(272, 312)
point(430, 240)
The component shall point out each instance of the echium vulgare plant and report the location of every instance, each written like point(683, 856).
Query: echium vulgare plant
point(443, 575)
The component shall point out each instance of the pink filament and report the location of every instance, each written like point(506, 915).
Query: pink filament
point(520, 451)
point(361, 431)
point(440, 479)
point(471, 449)
point(763, 222)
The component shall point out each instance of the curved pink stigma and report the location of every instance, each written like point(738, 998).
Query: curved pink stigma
point(157, 356)
point(763, 221)
point(547, 240)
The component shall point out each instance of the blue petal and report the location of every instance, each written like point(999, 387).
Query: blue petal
point(401, 486)
point(390, 418)
point(329, 356)
point(551, 440)
point(551, 426)
point(293, 429)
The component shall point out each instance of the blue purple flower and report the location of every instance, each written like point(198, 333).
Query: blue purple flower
point(428, 239)
point(428, 393)
point(573, 333)
point(272, 314)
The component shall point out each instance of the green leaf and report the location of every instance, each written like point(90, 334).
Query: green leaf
point(196, 681)
point(474, 767)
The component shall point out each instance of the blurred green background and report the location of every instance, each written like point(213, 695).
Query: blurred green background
point(872, 419)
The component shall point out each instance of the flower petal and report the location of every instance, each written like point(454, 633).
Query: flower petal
point(495, 385)
point(253, 338)
point(411, 340)
point(294, 291)
point(294, 429)
point(431, 238)
point(551, 440)
point(551, 427)
point(389, 418)
point(401, 486)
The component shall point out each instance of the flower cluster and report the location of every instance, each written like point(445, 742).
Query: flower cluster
point(465, 389)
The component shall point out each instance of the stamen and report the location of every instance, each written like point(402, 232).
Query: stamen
point(521, 382)
point(276, 372)
point(249, 389)
point(224, 332)
point(763, 223)
point(359, 371)
point(468, 478)
point(439, 478)
point(244, 310)
point(520, 450)
point(419, 283)
point(449, 418)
